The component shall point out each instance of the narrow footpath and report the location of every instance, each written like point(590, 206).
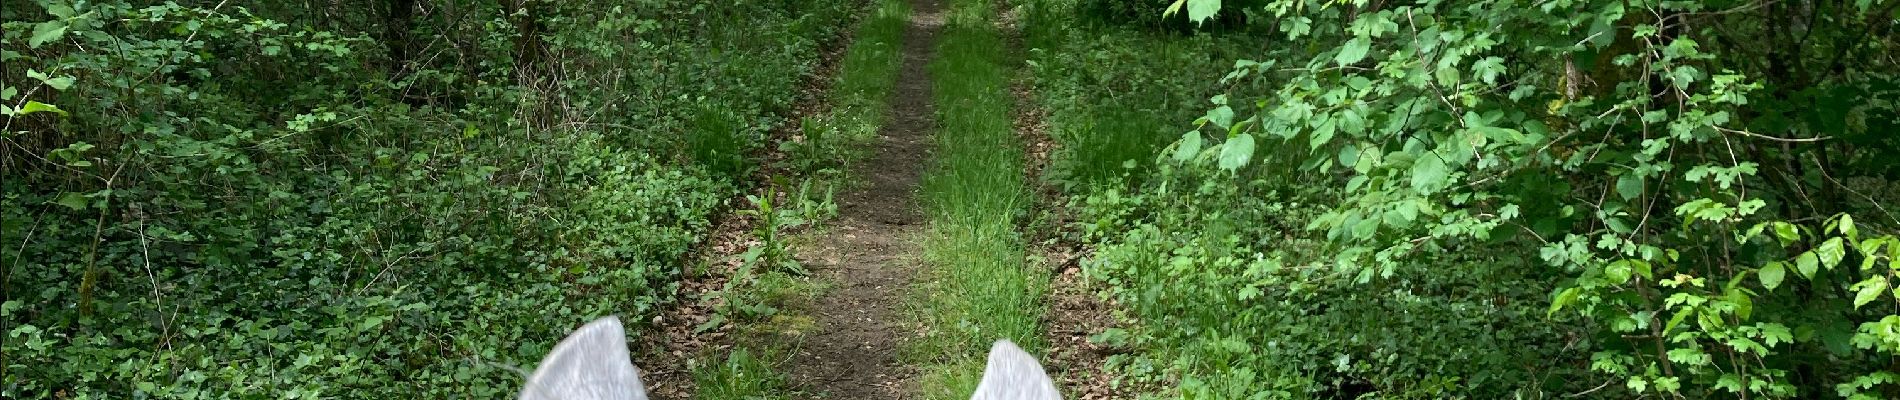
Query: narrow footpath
point(871, 255)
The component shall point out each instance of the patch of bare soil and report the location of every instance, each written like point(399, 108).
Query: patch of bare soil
point(872, 256)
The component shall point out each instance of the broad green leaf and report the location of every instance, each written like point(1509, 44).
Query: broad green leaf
point(1831, 252)
point(46, 32)
point(1236, 152)
point(1348, 155)
point(60, 83)
point(1629, 186)
point(1563, 299)
point(1617, 272)
point(1323, 134)
point(72, 200)
point(1222, 116)
point(1870, 290)
point(1429, 173)
point(1786, 232)
point(1188, 146)
point(1353, 51)
point(34, 106)
point(1772, 274)
point(1807, 264)
point(1201, 10)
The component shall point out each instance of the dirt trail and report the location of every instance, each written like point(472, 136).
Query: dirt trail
point(872, 254)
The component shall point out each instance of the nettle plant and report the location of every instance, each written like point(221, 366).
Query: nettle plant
point(1693, 167)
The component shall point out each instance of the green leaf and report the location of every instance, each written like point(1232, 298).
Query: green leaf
point(1847, 225)
point(1188, 146)
point(60, 83)
point(1222, 116)
point(46, 32)
point(1831, 252)
point(1617, 272)
point(1772, 274)
point(1786, 232)
point(1173, 8)
point(1236, 152)
point(1429, 173)
point(1353, 51)
point(1564, 298)
point(1869, 290)
point(1348, 155)
point(34, 106)
point(1629, 186)
point(72, 200)
point(1201, 10)
point(1807, 264)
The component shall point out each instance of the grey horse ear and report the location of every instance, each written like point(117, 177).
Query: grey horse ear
point(590, 364)
point(1013, 374)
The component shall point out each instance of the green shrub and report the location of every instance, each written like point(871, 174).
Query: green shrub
point(1684, 212)
point(287, 200)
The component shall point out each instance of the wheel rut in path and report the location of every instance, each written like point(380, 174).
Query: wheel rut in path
point(872, 256)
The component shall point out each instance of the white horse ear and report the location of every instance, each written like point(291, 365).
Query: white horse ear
point(1013, 374)
point(590, 364)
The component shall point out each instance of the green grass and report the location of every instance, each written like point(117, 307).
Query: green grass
point(743, 375)
point(866, 76)
point(979, 288)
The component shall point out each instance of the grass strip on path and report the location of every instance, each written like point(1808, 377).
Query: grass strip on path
point(979, 289)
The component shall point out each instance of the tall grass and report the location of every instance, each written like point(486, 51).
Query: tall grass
point(980, 289)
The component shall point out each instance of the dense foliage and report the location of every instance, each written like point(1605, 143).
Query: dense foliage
point(386, 199)
point(1491, 199)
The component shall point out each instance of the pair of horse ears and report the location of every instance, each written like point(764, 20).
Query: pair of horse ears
point(593, 364)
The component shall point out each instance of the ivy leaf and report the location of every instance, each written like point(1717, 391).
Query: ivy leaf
point(1772, 274)
point(46, 32)
point(1236, 152)
point(1189, 145)
point(1429, 173)
point(1353, 51)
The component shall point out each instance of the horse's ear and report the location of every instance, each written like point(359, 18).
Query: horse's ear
point(590, 364)
point(1013, 374)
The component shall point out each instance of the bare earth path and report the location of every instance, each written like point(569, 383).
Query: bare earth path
point(872, 256)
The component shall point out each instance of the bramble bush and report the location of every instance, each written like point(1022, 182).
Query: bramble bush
point(379, 199)
point(1690, 196)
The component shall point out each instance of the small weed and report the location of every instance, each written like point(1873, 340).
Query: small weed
point(745, 374)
